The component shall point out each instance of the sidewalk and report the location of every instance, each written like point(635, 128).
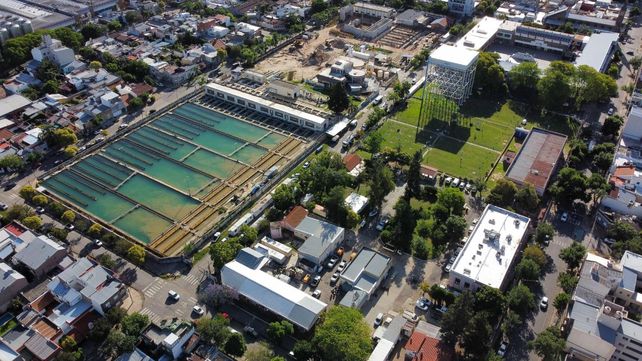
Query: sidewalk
point(133, 302)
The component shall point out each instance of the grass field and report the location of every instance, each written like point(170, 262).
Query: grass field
point(468, 145)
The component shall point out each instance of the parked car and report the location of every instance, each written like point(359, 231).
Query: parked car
point(173, 295)
point(502, 349)
point(70, 227)
point(306, 165)
point(449, 266)
point(543, 304)
point(332, 262)
point(564, 217)
point(198, 310)
point(422, 304)
point(315, 281)
point(455, 182)
point(468, 188)
point(342, 266)
point(340, 251)
point(382, 224)
point(462, 185)
point(216, 236)
point(334, 278)
point(250, 331)
point(448, 180)
point(98, 243)
point(306, 278)
point(9, 186)
point(378, 319)
point(40, 210)
point(611, 111)
point(3, 207)
point(373, 212)
point(316, 294)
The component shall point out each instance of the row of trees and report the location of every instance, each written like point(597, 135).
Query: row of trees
point(216, 330)
point(18, 50)
point(506, 194)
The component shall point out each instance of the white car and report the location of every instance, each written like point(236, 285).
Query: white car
point(342, 265)
point(543, 304)
point(564, 217)
point(334, 278)
point(373, 212)
point(332, 262)
point(316, 294)
point(382, 224)
point(198, 310)
point(98, 243)
point(502, 349)
point(3, 207)
point(455, 182)
point(378, 319)
point(422, 304)
point(174, 295)
point(448, 180)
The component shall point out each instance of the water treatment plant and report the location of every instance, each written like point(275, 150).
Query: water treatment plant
point(169, 181)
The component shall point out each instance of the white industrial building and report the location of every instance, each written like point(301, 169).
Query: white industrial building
point(275, 110)
point(245, 276)
point(491, 250)
point(451, 72)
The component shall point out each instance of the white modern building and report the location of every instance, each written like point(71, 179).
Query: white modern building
point(275, 110)
point(599, 51)
point(245, 276)
point(461, 7)
point(488, 256)
point(53, 50)
point(451, 72)
point(481, 35)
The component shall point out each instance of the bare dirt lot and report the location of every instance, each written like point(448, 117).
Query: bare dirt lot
point(306, 61)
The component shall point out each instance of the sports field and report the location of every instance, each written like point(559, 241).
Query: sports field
point(473, 139)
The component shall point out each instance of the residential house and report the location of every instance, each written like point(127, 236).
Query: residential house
point(12, 105)
point(626, 194)
point(20, 82)
point(13, 238)
point(363, 276)
point(11, 283)
point(285, 10)
point(171, 74)
point(354, 164)
point(53, 50)
point(28, 140)
point(92, 79)
point(249, 30)
point(40, 256)
point(422, 347)
point(169, 340)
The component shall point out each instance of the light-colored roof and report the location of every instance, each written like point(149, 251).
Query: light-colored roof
point(366, 270)
point(356, 202)
point(267, 103)
point(632, 260)
point(491, 246)
point(481, 34)
point(13, 103)
point(275, 295)
point(8, 277)
point(453, 57)
point(596, 51)
point(321, 235)
point(38, 252)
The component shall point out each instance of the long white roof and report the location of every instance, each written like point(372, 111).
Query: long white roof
point(453, 56)
point(270, 104)
point(481, 34)
point(487, 259)
point(277, 296)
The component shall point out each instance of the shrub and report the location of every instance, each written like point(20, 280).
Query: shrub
point(68, 217)
point(27, 192)
point(95, 230)
point(40, 200)
point(32, 222)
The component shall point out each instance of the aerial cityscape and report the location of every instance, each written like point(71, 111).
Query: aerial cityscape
point(320, 180)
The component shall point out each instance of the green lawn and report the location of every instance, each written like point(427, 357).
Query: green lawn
point(8, 326)
point(400, 136)
point(460, 159)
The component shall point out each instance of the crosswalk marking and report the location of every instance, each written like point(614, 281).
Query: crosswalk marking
point(153, 317)
point(179, 312)
point(193, 280)
point(152, 289)
point(193, 300)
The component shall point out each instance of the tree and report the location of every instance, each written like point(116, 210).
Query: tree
point(70, 151)
point(478, 328)
point(561, 300)
point(114, 25)
point(284, 196)
point(343, 335)
point(490, 300)
point(276, 331)
point(214, 330)
point(570, 185)
point(136, 254)
point(338, 98)
point(373, 142)
point(32, 222)
point(573, 255)
point(526, 198)
point(117, 343)
point(235, 345)
point(47, 71)
point(95, 230)
point(489, 75)
point(635, 62)
point(456, 318)
point(248, 235)
point(612, 125)
point(68, 344)
point(68, 217)
point(59, 138)
point(421, 248)
point(527, 269)
point(549, 344)
point(521, 299)
point(599, 187)
point(602, 155)
point(12, 162)
point(335, 205)
point(437, 294)
point(40, 200)
point(34, 158)
point(116, 315)
point(502, 194)
point(380, 179)
point(567, 281)
point(50, 87)
point(451, 199)
point(413, 185)
point(134, 324)
point(404, 223)
point(133, 17)
point(544, 232)
point(326, 171)
point(217, 295)
point(93, 31)
point(223, 252)
point(136, 104)
point(304, 350)
point(455, 228)
point(553, 88)
point(535, 254)
point(635, 11)
point(27, 192)
point(523, 79)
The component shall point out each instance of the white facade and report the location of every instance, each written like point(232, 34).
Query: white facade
point(451, 72)
point(53, 50)
point(491, 250)
point(461, 7)
point(275, 110)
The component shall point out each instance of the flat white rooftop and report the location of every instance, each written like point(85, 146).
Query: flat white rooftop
point(491, 246)
point(453, 57)
point(267, 103)
point(481, 34)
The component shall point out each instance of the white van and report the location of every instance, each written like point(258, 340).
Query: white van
point(377, 100)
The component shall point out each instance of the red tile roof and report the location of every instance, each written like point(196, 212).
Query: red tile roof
point(624, 171)
point(15, 229)
point(425, 348)
point(5, 134)
point(427, 171)
point(218, 44)
point(41, 303)
point(351, 161)
point(295, 216)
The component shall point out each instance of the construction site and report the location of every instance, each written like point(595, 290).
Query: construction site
point(172, 180)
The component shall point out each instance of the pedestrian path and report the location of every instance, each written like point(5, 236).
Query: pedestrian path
point(153, 288)
point(192, 279)
point(153, 317)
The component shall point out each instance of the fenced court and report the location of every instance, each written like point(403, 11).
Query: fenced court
point(171, 180)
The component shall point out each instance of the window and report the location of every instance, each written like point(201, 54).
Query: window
point(309, 125)
point(251, 105)
point(240, 101)
point(278, 114)
point(457, 281)
point(220, 95)
point(294, 119)
point(229, 97)
point(466, 285)
point(264, 110)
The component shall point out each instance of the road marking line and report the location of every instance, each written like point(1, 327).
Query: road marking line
point(193, 300)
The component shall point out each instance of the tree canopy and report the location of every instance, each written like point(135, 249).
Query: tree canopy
point(338, 98)
point(549, 344)
point(523, 79)
point(214, 330)
point(489, 75)
point(573, 255)
point(343, 335)
point(570, 185)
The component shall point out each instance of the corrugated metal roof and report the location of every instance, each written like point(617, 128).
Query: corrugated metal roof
point(597, 50)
